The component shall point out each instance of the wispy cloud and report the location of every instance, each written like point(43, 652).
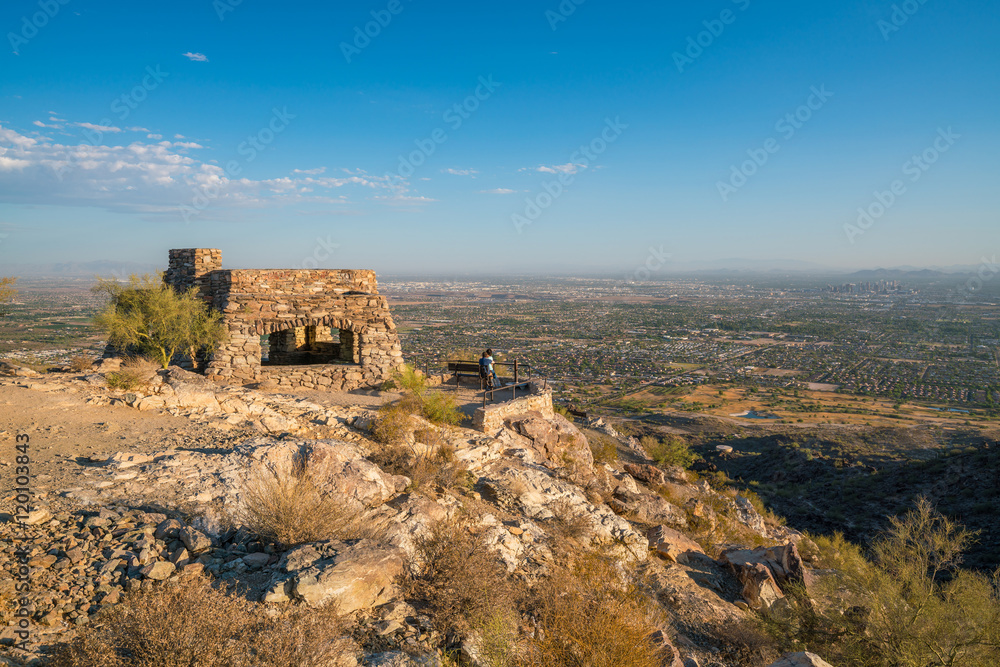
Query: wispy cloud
point(498, 191)
point(460, 172)
point(196, 57)
point(310, 172)
point(155, 178)
point(103, 129)
point(568, 168)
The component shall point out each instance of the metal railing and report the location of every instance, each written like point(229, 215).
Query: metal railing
point(512, 387)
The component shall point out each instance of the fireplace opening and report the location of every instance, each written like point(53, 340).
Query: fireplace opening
point(300, 346)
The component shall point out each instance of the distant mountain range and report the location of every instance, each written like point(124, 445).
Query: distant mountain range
point(105, 268)
point(720, 267)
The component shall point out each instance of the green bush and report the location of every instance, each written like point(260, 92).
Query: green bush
point(440, 408)
point(670, 451)
point(910, 605)
point(149, 316)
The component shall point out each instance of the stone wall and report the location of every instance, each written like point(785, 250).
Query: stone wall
point(268, 301)
point(491, 418)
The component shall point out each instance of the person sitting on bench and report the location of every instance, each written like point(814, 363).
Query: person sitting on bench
point(486, 373)
point(493, 370)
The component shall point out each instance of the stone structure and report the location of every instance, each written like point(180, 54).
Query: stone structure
point(325, 329)
point(491, 418)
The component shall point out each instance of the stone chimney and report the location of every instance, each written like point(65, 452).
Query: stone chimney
point(190, 267)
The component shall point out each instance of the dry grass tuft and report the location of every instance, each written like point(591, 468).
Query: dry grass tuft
point(602, 446)
point(431, 464)
point(81, 363)
point(135, 373)
point(595, 613)
point(192, 623)
point(462, 582)
point(291, 507)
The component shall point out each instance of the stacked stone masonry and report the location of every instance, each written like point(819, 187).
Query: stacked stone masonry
point(336, 318)
point(491, 419)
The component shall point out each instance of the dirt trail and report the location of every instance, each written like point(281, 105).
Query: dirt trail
point(65, 433)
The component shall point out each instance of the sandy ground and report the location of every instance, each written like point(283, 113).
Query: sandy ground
point(65, 433)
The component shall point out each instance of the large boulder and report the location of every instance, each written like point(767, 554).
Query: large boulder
point(764, 572)
point(7, 368)
point(359, 576)
point(540, 496)
point(555, 439)
point(338, 467)
point(189, 390)
point(674, 546)
point(656, 476)
point(646, 507)
point(801, 659)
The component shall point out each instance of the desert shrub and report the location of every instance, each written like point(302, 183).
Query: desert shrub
point(602, 446)
point(669, 451)
point(290, 507)
point(594, 613)
point(462, 582)
point(80, 363)
point(432, 464)
point(409, 379)
point(568, 525)
point(907, 605)
point(149, 316)
point(392, 423)
point(745, 643)
point(192, 623)
point(134, 373)
point(440, 408)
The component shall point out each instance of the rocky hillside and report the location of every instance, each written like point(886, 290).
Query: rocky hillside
point(699, 565)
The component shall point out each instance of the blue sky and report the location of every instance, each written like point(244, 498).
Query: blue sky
point(283, 137)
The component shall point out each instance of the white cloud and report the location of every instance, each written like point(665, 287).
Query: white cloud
point(154, 136)
point(568, 168)
point(179, 136)
point(196, 57)
point(157, 178)
point(460, 172)
point(136, 129)
point(498, 191)
point(99, 128)
point(310, 172)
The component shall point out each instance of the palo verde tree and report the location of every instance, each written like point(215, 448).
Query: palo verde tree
point(7, 293)
point(150, 317)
